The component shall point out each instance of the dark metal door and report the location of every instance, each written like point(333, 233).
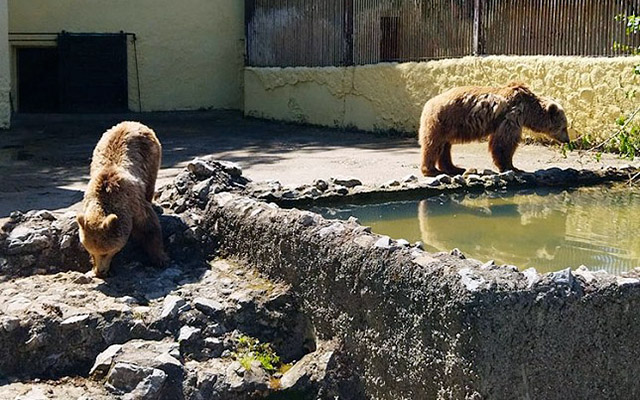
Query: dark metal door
point(93, 72)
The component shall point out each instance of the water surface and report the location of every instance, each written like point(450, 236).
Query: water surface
point(549, 230)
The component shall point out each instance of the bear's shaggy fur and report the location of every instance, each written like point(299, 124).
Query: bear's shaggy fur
point(117, 202)
point(466, 114)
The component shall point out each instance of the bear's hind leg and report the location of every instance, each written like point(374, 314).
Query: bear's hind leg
point(446, 164)
point(430, 154)
point(503, 144)
point(149, 234)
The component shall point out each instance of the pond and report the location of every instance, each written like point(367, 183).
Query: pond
point(550, 230)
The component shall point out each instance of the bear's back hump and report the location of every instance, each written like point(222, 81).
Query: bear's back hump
point(131, 146)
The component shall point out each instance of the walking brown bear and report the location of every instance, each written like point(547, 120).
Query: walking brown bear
point(117, 202)
point(471, 113)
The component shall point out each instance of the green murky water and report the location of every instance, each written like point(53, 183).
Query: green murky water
point(598, 227)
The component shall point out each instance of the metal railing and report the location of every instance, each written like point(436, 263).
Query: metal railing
point(346, 32)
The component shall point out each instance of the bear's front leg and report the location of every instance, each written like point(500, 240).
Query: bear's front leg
point(503, 144)
point(149, 234)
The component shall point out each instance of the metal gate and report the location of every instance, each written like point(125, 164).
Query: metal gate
point(93, 72)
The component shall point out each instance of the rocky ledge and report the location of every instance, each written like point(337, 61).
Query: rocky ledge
point(304, 306)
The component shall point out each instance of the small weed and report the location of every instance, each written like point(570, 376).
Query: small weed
point(250, 349)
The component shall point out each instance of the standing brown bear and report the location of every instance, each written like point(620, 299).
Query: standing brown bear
point(470, 113)
point(117, 202)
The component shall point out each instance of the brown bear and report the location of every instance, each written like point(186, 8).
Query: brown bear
point(470, 113)
point(117, 202)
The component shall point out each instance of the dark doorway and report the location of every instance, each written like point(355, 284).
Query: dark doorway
point(390, 43)
point(38, 90)
point(93, 72)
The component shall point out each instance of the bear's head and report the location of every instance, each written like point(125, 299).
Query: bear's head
point(103, 237)
point(555, 122)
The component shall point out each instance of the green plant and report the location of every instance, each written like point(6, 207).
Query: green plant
point(250, 349)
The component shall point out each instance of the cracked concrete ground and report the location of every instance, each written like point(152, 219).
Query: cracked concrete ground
point(44, 159)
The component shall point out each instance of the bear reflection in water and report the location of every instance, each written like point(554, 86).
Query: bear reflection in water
point(593, 227)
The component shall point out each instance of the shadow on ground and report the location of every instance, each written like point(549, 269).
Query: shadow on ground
point(45, 157)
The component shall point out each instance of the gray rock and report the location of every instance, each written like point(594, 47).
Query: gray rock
point(200, 168)
point(403, 242)
point(104, 360)
point(231, 168)
point(149, 388)
point(532, 276)
point(444, 179)
point(333, 229)
point(202, 189)
point(347, 182)
point(471, 280)
point(171, 305)
point(563, 277)
point(410, 178)
point(457, 253)
point(321, 185)
point(383, 243)
point(189, 334)
point(391, 183)
point(341, 190)
point(208, 306)
point(45, 214)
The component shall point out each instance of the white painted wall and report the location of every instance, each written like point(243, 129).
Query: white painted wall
point(190, 52)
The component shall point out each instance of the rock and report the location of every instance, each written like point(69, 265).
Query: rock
point(563, 277)
point(419, 245)
point(491, 264)
point(488, 172)
point(457, 253)
point(341, 190)
point(532, 276)
point(310, 372)
point(104, 360)
point(321, 185)
point(252, 380)
point(333, 229)
point(383, 243)
point(444, 179)
point(347, 182)
point(171, 305)
point(307, 219)
point(9, 324)
point(470, 280)
point(202, 189)
point(140, 382)
point(403, 242)
point(188, 334)
point(391, 183)
point(231, 168)
point(45, 214)
point(365, 240)
point(410, 178)
point(207, 306)
point(200, 168)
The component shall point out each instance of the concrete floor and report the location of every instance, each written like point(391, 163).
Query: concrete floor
point(44, 159)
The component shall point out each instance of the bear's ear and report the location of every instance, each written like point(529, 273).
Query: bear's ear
point(552, 108)
point(80, 219)
point(109, 221)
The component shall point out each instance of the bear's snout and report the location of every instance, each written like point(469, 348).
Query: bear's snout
point(101, 264)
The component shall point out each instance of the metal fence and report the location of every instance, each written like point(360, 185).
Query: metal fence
point(346, 32)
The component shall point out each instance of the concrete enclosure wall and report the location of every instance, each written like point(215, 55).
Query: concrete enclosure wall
point(5, 109)
point(594, 91)
point(190, 53)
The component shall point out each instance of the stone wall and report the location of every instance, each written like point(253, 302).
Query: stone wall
point(419, 325)
point(390, 96)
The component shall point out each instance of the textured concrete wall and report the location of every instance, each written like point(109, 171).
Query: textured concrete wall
point(436, 326)
point(190, 53)
point(5, 76)
point(390, 96)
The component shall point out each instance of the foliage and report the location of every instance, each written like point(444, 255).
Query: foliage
point(250, 349)
point(626, 140)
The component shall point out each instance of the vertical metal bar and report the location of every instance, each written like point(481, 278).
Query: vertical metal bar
point(476, 27)
point(348, 32)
